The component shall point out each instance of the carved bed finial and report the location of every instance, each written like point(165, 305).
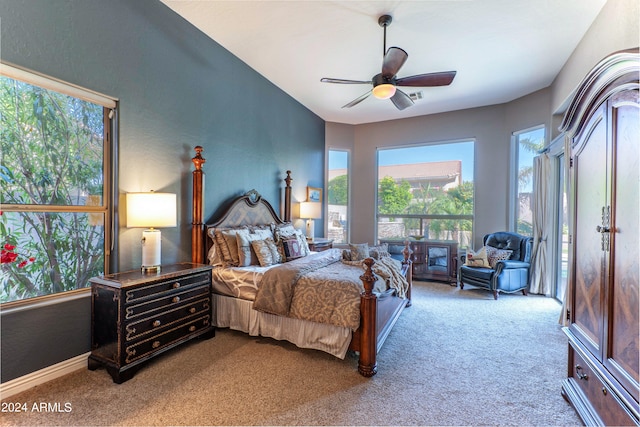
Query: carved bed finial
point(287, 197)
point(198, 160)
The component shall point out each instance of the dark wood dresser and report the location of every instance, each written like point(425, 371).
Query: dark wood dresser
point(137, 315)
point(431, 259)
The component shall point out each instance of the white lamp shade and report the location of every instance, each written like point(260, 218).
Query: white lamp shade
point(310, 210)
point(151, 210)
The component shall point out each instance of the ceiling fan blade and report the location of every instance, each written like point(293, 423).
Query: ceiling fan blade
point(431, 79)
point(401, 100)
point(393, 60)
point(344, 82)
point(357, 101)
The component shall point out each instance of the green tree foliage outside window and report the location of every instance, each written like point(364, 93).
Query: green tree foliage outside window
point(51, 170)
point(393, 198)
point(338, 191)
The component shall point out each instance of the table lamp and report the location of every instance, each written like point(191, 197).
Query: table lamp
point(310, 211)
point(151, 210)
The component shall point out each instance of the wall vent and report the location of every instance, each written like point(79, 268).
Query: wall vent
point(416, 95)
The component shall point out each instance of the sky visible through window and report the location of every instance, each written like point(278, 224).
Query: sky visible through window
point(419, 154)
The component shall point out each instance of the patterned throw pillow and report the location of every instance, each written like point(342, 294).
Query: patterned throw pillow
point(246, 254)
point(226, 240)
point(266, 252)
point(477, 259)
point(379, 251)
point(292, 249)
point(359, 251)
point(494, 255)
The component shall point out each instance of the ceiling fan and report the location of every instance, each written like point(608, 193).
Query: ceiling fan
point(385, 84)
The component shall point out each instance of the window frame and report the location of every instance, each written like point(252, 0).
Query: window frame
point(109, 167)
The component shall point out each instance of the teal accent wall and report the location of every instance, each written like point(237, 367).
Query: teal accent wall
point(177, 88)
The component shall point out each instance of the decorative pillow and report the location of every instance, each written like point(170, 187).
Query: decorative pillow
point(359, 251)
point(494, 255)
point(230, 237)
point(292, 249)
point(379, 251)
point(214, 256)
point(223, 245)
point(477, 259)
point(266, 252)
point(346, 254)
point(287, 231)
point(246, 254)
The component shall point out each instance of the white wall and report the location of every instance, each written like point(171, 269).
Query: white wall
point(617, 27)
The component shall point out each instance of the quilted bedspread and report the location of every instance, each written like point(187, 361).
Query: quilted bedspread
point(319, 288)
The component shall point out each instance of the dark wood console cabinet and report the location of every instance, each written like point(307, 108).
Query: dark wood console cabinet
point(432, 259)
point(137, 315)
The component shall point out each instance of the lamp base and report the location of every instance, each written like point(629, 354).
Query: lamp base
point(151, 250)
point(310, 230)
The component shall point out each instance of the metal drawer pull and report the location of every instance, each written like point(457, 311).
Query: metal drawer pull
point(192, 310)
point(156, 323)
point(604, 391)
point(176, 285)
point(580, 374)
point(176, 299)
point(192, 328)
point(156, 344)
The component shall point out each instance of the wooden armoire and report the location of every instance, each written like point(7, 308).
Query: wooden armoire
point(602, 123)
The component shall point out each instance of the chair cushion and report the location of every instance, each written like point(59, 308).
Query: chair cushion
point(476, 273)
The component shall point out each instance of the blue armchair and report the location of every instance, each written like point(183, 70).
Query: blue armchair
point(510, 275)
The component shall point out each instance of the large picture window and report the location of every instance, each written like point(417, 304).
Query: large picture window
point(426, 191)
point(54, 173)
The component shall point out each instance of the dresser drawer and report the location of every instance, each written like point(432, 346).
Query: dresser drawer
point(603, 400)
point(166, 302)
point(166, 339)
point(157, 288)
point(167, 318)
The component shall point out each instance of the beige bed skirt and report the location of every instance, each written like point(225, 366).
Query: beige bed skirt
point(238, 314)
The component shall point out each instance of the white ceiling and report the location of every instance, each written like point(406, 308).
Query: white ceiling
point(501, 49)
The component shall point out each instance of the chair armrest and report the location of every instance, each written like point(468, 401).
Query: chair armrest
point(509, 265)
point(513, 264)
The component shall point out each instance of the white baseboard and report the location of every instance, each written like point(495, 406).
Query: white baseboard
point(43, 375)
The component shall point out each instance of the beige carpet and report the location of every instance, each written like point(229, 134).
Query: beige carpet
point(457, 357)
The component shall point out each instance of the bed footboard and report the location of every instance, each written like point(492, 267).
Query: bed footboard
point(378, 314)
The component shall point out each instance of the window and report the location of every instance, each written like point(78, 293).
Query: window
point(338, 196)
point(526, 145)
point(427, 191)
point(54, 174)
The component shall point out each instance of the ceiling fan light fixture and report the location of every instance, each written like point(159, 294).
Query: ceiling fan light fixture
point(384, 91)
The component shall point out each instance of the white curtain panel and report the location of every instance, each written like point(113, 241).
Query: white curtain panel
point(541, 207)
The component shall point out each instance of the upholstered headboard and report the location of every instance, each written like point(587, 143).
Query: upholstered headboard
point(249, 209)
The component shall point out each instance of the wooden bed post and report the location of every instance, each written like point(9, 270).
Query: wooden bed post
point(287, 197)
point(197, 202)
point(367, 365)
point(406, 266)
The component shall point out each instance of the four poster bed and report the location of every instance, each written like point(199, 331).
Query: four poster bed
point(334, 301)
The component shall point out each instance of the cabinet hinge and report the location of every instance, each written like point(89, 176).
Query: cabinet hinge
point(570, 162)
point(568, 314)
